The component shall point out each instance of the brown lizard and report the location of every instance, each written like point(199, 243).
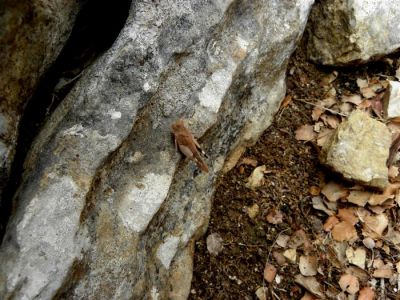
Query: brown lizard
point(187, 144)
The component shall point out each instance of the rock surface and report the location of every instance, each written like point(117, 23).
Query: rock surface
point(32, 34)
point(106, 206)
point(359, 149)
point(350, 31)
point(391, 100)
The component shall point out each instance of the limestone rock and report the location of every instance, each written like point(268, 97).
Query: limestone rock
point(32, 34)
point(391, 100)
point(359, 149)
point(351, 31)
point(107, 206)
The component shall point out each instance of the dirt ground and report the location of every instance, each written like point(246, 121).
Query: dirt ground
point(292, 168)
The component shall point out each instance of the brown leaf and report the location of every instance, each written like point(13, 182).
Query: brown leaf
point(305, 133)
point(286, 101)
point(279, 258)
point(269, 273)
point(318, 204)
point(330, 223)
point(362, 83)
point(355, 99)
point(384, 272)
point(344, 231)
point(249, 161)
point(324, 136)
point(311, 284)
point(308, 265)
point(256, 178)
point(348, 215)
point(275, 217)
point(375, 225)
point(393, 172)
point(366, 293)
point(253, 211)
point(328, 102)
point(367, 92)
point(314, 190)
point(334, 191)
point(316, 113)
point(358, 197)
point(349, 283)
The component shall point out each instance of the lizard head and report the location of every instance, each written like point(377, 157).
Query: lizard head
point(178, 125)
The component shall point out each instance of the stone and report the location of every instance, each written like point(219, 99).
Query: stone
point(391, 100)
point(359, 149)
point(94, 218)
point(32, 35)
point(343, 32)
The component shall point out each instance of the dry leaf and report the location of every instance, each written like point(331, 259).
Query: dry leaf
point(378, 199)
point(383, 272)
point(393, 172)
point(249, 161)
point(308, 265)
point(308, 296)
point(355, 99)
point(397, 75)
point(367, 92)
point(279, 258)
point(214, 243)
point(299, 238)
point(348, 215)
point(344, 231)
point(345, 108)
point(358, 197)
point(318, 204)
point(290, 254)
point(253, 211)
point(332, 121)
point(316, 113)
point(375, 224)
point(311, 284)
point(362, 83)
point(305, 133)
point(364, 104)
point(318, 126)
point(366, 293)
point(349, 283)
point(328, 102)
point(334, 191)
point(275, 217)
point(330, 223)
point(314, 190)
point(369, 243)
point(356, 257)
point(324, 136)
point(288, 99)
point(262, 293)
point(256, 178)
point(269, 273)
point(282, 240)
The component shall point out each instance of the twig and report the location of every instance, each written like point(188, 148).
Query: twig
point(321, 107)
point(273, 244)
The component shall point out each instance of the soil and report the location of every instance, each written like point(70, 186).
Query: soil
point(292, 168)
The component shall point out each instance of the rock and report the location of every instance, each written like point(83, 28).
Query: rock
point(31, 37)
point(214, 243)
point(106, 205)
point(391, 100)
point(359, 150)
point(349, 31)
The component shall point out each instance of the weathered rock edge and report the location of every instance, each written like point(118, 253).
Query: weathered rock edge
point(107, 208)
point(32, 34)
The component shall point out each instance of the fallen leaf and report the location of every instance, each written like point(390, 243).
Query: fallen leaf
point(214, 243)
point(316, 113)
point(397, 75)
point(308, 296)
point(282, 240)
point(367, 92)
point(378, 199)
point(308, 265)
point(318, 204)
point(299, 238)
point(358, 197)
point(262, 293)
point(332, 121)
point(355, 99)
point(366, 293)
point(314, 190)
point(375, 224)
point(290, 254)
point(328, 102)
point(383, 272)
point(369, 243)
point(356, 257)
point(348, 215)
point(362, 83)
point(334, 191)
point(349, 283)
point(275, 217)
point(331, 77)
point(345, 108)
point(253, 211)
point(269, 273)
point(393, 172)
point(305, 133)
point(318, 126)
point(364, 104)
point(323, 136)
point(311, 284)
point(256, 178)
point(330, 223)
point(344, 231)
point(362, 275)
point(279, 258)
point(286, 101)
point(249, 161)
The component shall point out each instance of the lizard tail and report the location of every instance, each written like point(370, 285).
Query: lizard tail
point(201, 164)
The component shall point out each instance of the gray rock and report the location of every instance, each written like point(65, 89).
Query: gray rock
point(359, 149)
point(32, 34)
point(351, 31)
point(391, 100)
point(107, 209)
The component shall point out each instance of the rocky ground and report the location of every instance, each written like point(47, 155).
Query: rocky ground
point(305, 232)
